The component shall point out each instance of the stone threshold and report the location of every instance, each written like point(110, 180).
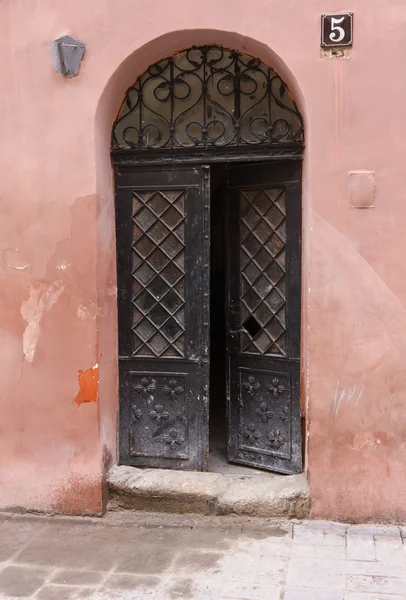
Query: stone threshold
point(160, 490)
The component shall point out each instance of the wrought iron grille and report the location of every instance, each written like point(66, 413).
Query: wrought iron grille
point(158, 273)
point(207, 96)
point(263, 271)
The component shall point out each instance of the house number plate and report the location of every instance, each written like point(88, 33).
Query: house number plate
point(336, 30)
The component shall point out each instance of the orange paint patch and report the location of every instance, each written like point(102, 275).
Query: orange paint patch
point(88, 386)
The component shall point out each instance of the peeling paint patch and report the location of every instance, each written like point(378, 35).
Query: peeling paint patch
point(82, 312)
point(88, 385)
point(40, 301)
point(63, 266)
point(369, 440)
point(13, 258)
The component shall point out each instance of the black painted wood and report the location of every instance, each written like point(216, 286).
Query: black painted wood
point(263, 320)
point(273, 152)
point(162, 220)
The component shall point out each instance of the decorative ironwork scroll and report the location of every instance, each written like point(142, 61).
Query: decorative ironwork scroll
point(207, 96)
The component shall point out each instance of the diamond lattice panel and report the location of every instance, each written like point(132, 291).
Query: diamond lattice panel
point(263, 271)
point(158, 273)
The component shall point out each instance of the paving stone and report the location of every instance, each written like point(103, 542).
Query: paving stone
point(211, 539)
point(390, 549)
point(260, 529)
point(329, 532)
point(20, 582)
point(333, 527)
point(145, 559)
point(316, 573)
point(138, 594)
point(54, 519)
point(296, 593)
point(190, 588)
point(393, 541)
point(70, 526)
point(238, 566)
point(376, 568)
point(70, 559)
point(74, 551)
point(386, 585)
point(318, 537)
point(378, 596)
point(363, 530)
point(318, 525)
point(304, 534)
point(70, 577)
point(125, 581)
point(14, 537)
point(272, 570)
point(85, 593)
point(334, 539)
point(171, 536)
point(271, 549)
point(63, 592)
point(360, 547)
point(317, 552)
point(196, 560)
point(92, 549)
point(387, 531)
point(182, 588)
point(205, 591)
point(250, 591)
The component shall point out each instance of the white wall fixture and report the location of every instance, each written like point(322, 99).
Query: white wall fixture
point(362, 189)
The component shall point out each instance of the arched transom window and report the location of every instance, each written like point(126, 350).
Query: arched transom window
point(206, 97)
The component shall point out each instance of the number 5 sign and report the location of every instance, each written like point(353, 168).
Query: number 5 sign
point(336, 30)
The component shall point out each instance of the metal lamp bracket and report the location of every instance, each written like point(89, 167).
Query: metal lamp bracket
point(67, 54)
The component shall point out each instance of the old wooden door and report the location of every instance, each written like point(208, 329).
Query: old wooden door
point(263, 325)
point(162, 217)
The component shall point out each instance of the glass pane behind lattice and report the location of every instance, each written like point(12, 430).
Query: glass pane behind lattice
point(158, 273)
point(263, 271)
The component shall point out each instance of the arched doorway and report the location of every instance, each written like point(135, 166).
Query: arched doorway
point(209, 298)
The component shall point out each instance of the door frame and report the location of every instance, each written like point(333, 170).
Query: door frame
point(275, 152)
point(282, 152)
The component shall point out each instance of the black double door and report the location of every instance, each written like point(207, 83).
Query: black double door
point(164, 291)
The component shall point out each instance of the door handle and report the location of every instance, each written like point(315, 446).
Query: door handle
point(235, 331)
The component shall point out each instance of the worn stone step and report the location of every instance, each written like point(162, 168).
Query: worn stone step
point(160, 490)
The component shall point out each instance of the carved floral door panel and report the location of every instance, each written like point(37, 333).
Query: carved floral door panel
point(263, 321)
point(162, 220)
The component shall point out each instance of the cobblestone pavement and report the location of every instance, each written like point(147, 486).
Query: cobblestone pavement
point(135, 556)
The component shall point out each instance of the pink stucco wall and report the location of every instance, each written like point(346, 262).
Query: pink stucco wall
point(57, 258)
